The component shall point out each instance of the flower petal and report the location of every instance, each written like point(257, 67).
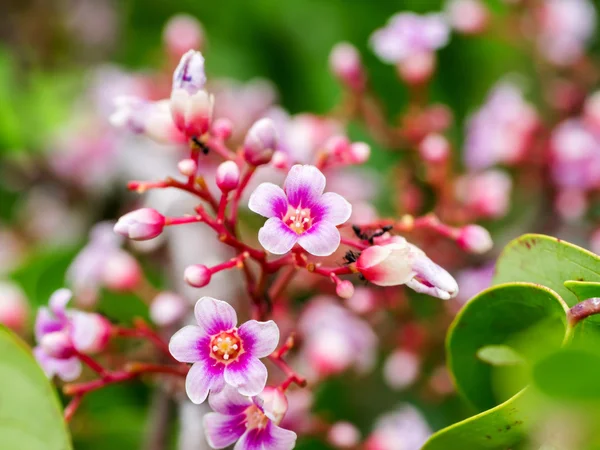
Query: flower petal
point(248, 375)
point(268, 200)
point(276, 237)
point(228, 401)
point(334, 208)
point(322, 239)
point(214, 315)
point(271, 437)
point(186, 345)
point(202, 378)
point(58, 301)
point(304, 185)
point(45, 323)
point(221, 430)
point(259, 338)
point(66, 369)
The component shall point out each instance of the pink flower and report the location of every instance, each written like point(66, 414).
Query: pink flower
point(404, 429)
point(398, 262)
point(401, 369)
point(141, 224)
point(409, 34)
point(222, 353)
point(227, 176)
point(245, 420)
point(487, 194)
point(343, 435)
point(300, 213)
point(168, 308)
point(467, 16)
point(335, 339)
point(62, 333)
point(260, 142)
point(346, 65)
point(181, 33)
point(14, 307)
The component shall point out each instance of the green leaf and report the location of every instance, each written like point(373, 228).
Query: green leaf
point(548, 261)
point(30, 414)
point(501, 427)
point(500, 355)
point(569, 374)
point(528, 317)
point(583, 289)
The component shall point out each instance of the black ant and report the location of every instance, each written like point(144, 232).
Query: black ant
point(351, 257)
point(370, 238)
point(201, 145)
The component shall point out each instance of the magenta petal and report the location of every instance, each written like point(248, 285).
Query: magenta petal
point(187, 344)
point(229, 401)
point(304, 185)
point(259, 338)
point(335, 208)
point(268, 200)
point(58, 301)
point(248, 375)
point(45, 323)
point(269, 438)
point(202, 378)
point(276, 237)
point(322, 239)
point(222, 430)
point(65, 369)
point(214, 315)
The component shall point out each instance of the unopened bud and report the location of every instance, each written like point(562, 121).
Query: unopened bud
point(468, 16)
point(57, 344)
point(90, 332)
point(189, 74)
point(346, 65)
point(122, 272)
point(360, 152)
point(141, 224)
point(228, 176)
point(344, 289)
point(187, 167)
point(197, 275)
point(475, 239)
point(183, 32)
point(222, 128)
point(343, 435)
point(167, 309)
point(280, 160)
point(13, 306)
point(435, 148)
point(363, 301)
point(417, 68)
point(275, 404)
point(260, 142)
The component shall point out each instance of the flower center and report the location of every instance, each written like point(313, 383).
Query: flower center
point(255, 418)
point(298, 220)
point(226, 346)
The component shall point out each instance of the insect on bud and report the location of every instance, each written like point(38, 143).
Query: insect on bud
point(197, 275)
point(260, 142)
point(228, 176)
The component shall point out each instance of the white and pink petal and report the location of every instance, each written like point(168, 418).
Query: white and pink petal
point(322, 239)
point(276, 237)
point(260, 338)
point(190, 344)
point(223, 430)
point(304, 185)
point(229, 401)
point(333, 208)
point(214, 316)
point(268, 200)
point(247, 374)
point(203, 378)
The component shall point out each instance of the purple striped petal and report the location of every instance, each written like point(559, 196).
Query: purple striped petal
point(214, 315)
point(322, 239)
point(248, 375)
point(268, 200)
point(334, 208)
point(221, 430)
point(304, 185)
point(260, 338)
point(229, 401)
point(190, 344)
point(202, 378)
point(271, 437)
point(276, 237)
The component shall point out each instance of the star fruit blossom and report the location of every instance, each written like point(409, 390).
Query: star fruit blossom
point(249, 421)
point(300, 213)
point(62, 333)
point(222, 353)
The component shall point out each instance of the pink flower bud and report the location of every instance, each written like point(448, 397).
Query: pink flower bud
point(280, 160)
point(260, 142)
point(90, 333)
point(167, 309)
point(58, 344)
point(187, 167)
point(401, 369)
point(189, 74)
point(344, 289)
point(121, 272)
point(183, 32)
point(475, 239)
point(141, 224)
point(487, 193)
point(571, 204)
point(13, 306)
point(192, 113)
point(346, 65)
point(337, 146)
point(417, 68)
point(222, 128)
point(343, 435)
point(468, 16)
point(363, 301)
point(360, 152)
point(197, 275)
point(434, 149)
point(275, 404)
point(228, 176)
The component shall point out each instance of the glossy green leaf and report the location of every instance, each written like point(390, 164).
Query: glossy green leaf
point(30, 414)
point(548, 261)
point(500, 355)
point(530, 318)
point(569, 374)
point(499, 428)
point(583, 289)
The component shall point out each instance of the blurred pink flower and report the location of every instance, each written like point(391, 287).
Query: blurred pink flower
point(474, 280)
point(14, 307)
point(487, 194)
point(403, 429)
